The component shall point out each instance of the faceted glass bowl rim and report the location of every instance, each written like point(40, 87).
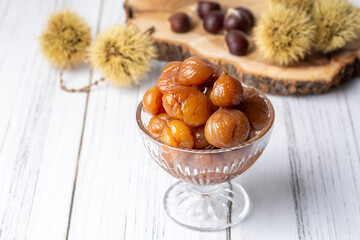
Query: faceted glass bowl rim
point(255, 139)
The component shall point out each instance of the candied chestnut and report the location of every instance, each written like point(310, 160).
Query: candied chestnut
point(248, 13)
point(237, 42)
point(207, 92)
point(255, 108)
point(180, 22)
point(200, 141)
point(236, 19)
point(227, 128)
point(197, 70)
point(177, 134)
point(213, 22)
point(188, 104)
point(202, 161)
point(157, 124)
point(169, 77)
point(206, 7)
point(227, 91)
point(152, 101)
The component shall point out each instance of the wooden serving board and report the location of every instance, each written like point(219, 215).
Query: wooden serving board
point(317, 74)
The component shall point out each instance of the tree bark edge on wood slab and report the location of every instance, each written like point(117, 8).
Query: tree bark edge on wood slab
point(174, 51)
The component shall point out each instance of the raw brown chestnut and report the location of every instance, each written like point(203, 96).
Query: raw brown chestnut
point(227, 91)
point(180, 22)
point(197, 70)
point(249, 14)
point(206, 7)
point(237, 42)
point(213, 22)
point(227, 128)
point(236, 19)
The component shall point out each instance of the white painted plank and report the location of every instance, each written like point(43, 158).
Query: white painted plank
point(268, 183)
point(305, 186)
point(310, 168)
point(321, 169)
point(326, 166)
point(127, 201)
point(40, 125)
point(119, 188)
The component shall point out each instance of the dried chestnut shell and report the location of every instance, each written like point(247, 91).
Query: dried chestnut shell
point(206, 7)
point(213, 22)
point(237, 42)
point(236, 19)
point(180, 22)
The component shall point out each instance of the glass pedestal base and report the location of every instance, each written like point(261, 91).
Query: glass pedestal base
point(206, 208)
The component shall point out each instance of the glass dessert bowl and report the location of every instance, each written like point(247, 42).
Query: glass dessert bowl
point(205, 198)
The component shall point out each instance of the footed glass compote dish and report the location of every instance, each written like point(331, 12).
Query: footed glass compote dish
point(205, 198)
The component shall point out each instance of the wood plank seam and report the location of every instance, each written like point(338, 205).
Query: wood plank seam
point(82, 131)
point(356, 144)
point(295, 185)
point(78, 161)
point(228, 229)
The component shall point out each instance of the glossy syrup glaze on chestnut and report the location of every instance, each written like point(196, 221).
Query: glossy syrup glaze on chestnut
point(255, 109)
point(227, 91)
point(196, 71)
point(177, 134)
point(157, 124)
point(200, 142)
point(215, 108)
point(152, 101)
point(227, 128)
point(188, 104)
point(169, 77)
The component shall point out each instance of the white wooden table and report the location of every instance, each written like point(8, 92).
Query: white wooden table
point(72, 166)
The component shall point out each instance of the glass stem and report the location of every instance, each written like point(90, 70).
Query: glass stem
point(203, 189)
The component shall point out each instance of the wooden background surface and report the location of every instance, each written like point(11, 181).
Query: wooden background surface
point(72, 165)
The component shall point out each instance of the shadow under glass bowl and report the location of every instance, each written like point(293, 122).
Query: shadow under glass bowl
point(205, 199)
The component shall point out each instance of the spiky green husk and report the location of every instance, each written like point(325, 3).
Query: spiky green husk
point(336, 22)
point(284, 35)
point(65, 39)
point(122, 54)
point(302, 4)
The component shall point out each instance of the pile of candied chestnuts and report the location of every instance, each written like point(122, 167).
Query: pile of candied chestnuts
point(236, 22)
point(196, 106)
